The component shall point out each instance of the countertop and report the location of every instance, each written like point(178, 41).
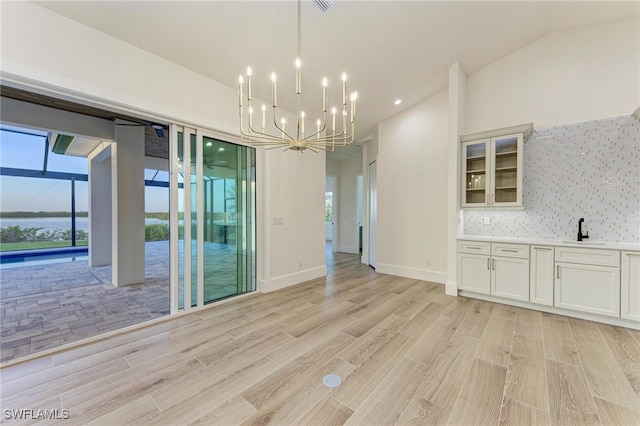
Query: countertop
point(549, 242)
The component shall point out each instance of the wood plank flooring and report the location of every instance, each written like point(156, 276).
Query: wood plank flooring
point(407, 354)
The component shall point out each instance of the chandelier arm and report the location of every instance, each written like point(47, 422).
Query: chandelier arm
point(275, 123)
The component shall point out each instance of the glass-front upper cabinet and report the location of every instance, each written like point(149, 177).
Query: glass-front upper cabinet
point(492, 171)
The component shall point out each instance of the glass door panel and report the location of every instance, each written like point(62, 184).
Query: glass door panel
point(229, 219)
point(214, 197)
point(506, 169)
point(475, 165)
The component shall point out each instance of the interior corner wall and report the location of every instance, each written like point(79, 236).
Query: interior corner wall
point(348, 238)
point(562, 78)
point(412, 194)
point(111, 73)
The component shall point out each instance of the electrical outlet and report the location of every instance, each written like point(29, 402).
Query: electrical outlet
point(428, 261)
point(300, 263)
point(487, 220)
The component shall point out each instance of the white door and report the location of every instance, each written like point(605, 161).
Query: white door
point(329, 205)
point(373, 213)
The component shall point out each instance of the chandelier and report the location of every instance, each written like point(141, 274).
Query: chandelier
point(337, 132)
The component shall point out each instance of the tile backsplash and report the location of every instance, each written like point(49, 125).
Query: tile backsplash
point(589, 170)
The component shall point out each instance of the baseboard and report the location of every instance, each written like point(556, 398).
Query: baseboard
point(348, 249)
point(451, 288)
point(283, 281)
point(415, 273)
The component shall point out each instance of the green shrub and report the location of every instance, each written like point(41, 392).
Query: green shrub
point(156, 232)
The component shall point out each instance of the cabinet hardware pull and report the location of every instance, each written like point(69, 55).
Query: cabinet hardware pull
point(493, 264)
point(557, 271)
point(510, 251)
point(488, 264)
point(474, 247)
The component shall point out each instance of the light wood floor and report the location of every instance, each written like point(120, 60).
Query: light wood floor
point(408, 354)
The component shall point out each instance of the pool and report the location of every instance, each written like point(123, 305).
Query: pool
point(42, 257)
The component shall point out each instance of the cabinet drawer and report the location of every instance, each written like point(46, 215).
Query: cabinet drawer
point(474, 247)
point(588, 256)
point(520, 251)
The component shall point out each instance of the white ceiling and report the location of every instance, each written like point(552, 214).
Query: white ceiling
point(390, 49)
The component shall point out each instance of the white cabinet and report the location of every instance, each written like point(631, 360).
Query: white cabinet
point(541, 278)
point(630, 286)
point(492, 168)
point(510, 271)
point(474, 267)
point(494, 268)
point(588, 280)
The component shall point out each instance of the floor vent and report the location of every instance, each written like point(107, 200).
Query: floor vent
point(332, 380)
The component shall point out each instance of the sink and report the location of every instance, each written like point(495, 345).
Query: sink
point(586, 243)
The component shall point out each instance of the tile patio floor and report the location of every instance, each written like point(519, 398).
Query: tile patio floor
point(44, 306)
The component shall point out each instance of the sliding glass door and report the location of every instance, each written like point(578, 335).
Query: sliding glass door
point(215, 199)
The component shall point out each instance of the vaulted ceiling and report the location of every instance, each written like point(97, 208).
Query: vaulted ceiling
point(390, 49)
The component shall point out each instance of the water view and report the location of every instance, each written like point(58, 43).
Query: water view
point(53, 223)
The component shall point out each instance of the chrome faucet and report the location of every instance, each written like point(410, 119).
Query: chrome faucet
point(580, 235)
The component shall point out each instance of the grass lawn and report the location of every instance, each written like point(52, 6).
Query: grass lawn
point(39, 245)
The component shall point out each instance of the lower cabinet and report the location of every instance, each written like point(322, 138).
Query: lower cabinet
point(494, 268)
point(630, 286)
point(510, 278)
point(541, 285)
point(593, 280)
point(474, 273)
point(590, 282)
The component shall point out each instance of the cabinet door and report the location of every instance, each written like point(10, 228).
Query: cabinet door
point(474, 273)
point(506, 171)
point(541, 278)
point(630, 297)
point(475, 175)
point(510, 278)
point(588, 288)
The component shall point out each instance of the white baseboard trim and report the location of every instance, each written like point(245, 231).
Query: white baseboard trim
point(292, 279)
point(451, 288)
point(415, 273)
point(348, 249)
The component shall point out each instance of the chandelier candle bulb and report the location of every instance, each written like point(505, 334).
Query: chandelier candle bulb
point(344, 88)
point(333, 127)
point(318, 126)
point(302, 123)
point(324, 94)
point(298, 64)
point(264, 116)
point(249, 83)
point(241, 81)
point(273, 86)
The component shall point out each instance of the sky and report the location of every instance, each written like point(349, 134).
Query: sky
point(31, 194)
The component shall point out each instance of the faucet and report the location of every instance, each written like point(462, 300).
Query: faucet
point(580, 235)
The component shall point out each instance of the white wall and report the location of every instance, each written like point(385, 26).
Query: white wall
point(348, 238)
point(59, 56)
point(412, 191)
point(564, 77)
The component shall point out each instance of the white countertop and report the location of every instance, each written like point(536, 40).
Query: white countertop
point(549, 242)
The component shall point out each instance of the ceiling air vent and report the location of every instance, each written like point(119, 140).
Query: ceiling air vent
point(324, 5)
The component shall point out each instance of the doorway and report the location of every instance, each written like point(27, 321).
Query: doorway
point(373, 213)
